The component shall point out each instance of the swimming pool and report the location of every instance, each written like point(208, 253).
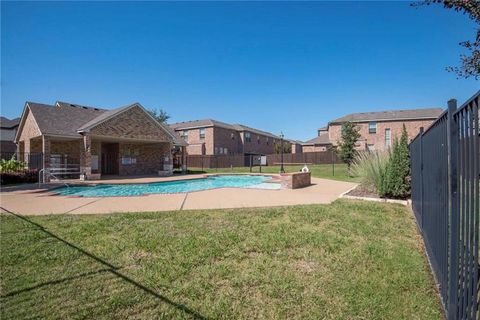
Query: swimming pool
point(179, 186)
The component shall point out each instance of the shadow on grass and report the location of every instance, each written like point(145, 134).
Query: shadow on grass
point(110, 268)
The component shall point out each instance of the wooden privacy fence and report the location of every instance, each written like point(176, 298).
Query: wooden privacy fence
point(445, 199)
point(227, 161)
point(323, 157)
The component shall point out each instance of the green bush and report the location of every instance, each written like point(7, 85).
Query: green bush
point(11, 165)
point(371, 166)
point(397, 175)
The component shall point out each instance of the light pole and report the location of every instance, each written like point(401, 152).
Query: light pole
point(281, 153)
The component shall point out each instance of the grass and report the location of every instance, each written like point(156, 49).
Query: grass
point(347, 260)
point(326, 171)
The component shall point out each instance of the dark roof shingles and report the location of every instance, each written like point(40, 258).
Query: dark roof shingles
point(429, 113)
point(6, 123)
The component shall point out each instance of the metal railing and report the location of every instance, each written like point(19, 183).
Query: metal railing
point(445, 172)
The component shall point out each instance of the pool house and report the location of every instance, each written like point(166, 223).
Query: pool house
point(74, 140)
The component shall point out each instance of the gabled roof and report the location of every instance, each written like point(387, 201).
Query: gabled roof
point(6, 123)
point(204, 123)
point(321, 139)
point(68, 119)
point(410, 114)
point(62, 119)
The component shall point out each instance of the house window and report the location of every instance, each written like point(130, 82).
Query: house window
point(216, 150)
point(388, 138)
point(258, 139)
point(201, 131)
point(232, 136)
point(184, 135)
point(371, 147)
point(225, 151)
point(267, 141)
point(372, 127)
point(248, 137)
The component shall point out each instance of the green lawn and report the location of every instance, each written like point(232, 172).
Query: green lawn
point(347, 260)
point(327, 171)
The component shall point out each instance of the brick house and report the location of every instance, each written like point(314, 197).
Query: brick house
point(378, 129)
point(8, 130)
point(122, 141)
point(212, 137)
point(317, 144)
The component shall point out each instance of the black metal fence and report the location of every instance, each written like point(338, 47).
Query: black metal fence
point(25, 161)
point(445, 199)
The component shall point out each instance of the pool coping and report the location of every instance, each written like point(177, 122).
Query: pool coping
point(51, 192)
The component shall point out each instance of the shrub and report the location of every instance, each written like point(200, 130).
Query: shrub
point(19, 177)
point(397, 182)
point(371, 167)
point(11, 165)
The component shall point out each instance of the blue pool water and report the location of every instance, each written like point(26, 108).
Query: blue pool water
point(179, 186)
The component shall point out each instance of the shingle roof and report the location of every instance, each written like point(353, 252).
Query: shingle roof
point(429, 113)
point(6, 123)
point(102, 117)
point(215, 123)
point(200, 124)
point(321, 139)
point(67, 119)
point(241, 127)
point(63, 119)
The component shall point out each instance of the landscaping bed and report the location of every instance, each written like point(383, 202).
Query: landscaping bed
point(347, 260)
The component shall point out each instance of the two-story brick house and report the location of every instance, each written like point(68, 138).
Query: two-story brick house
point(377, 129)
point(213, 137)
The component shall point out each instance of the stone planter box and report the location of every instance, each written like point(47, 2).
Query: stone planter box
point(296, 180)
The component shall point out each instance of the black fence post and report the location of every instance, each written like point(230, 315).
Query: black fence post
point(420, 137)
point(452, 132)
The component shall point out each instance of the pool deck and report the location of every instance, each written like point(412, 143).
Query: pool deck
point(32, 200)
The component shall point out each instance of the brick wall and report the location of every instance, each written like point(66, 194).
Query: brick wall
point(29, 130)
point(226, 138)
point(377, 140)
point(133, 124)
point(149, 157)
point(264, 145)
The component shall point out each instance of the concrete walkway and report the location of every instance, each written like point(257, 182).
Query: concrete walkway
point(36, 201)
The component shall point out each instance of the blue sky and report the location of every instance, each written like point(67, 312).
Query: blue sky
point(281, 66)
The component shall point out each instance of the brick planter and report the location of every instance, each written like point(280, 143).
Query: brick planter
point(296, 180)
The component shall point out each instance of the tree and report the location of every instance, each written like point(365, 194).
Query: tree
point(397, 182)
point(160, 115)
point(470, 64)
point(346, 147)
point(287, 147)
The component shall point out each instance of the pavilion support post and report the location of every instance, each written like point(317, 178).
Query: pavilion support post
point(46, 157)
point(86, 156)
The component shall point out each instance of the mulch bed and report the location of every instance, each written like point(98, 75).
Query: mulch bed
point(363, 191)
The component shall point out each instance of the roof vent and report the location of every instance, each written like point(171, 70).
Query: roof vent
point(85, 107)
point(72, 105)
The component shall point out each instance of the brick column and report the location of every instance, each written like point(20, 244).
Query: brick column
point(45, 155)
point(184, 159)
point(86, 155)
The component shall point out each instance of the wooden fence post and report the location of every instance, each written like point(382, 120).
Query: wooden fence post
point(452, 132)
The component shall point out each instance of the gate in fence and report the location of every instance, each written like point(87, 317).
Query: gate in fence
point(445, 199)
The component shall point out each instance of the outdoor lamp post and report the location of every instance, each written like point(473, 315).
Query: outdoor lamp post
point(281, 153)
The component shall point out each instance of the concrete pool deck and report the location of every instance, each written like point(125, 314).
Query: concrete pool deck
point(31, 200)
